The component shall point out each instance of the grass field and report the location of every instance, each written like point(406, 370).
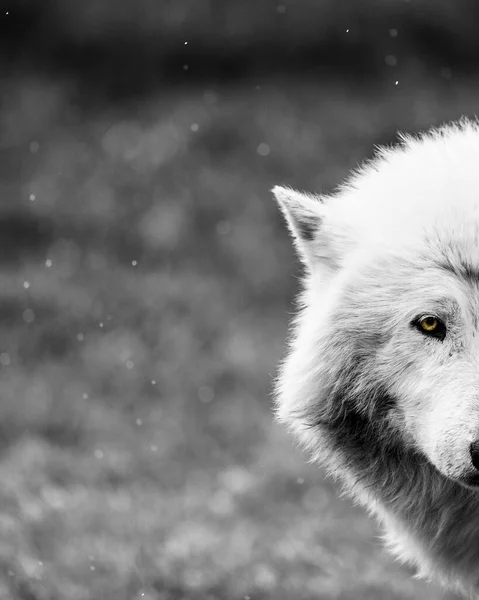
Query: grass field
point(146, 283)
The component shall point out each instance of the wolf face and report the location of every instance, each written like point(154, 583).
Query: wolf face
point(381, 382)
point(393, 331)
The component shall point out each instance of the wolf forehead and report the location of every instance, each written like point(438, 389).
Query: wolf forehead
point(420, 197)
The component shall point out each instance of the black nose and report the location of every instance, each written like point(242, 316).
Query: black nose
point(474, 451)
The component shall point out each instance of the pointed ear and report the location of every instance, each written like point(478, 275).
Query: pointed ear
point(304, 215)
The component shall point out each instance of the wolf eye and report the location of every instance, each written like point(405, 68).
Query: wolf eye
point(429, 324)
point(432, 326)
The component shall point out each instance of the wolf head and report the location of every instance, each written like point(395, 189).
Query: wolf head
point(384, 353)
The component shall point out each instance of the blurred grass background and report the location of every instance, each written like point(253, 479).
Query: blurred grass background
point(147, 281)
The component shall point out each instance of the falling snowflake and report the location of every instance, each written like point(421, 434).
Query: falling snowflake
point(28, 315)
point(26, 284)
point(206, 394)
point(263, 149)
point(391, 60)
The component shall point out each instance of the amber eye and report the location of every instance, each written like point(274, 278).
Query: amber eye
point(431, 326)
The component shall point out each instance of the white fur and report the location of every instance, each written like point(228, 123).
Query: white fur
point(398, 240)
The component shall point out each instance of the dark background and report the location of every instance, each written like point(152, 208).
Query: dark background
point(147, 279)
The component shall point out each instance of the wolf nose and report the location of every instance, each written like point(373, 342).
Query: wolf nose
point(474, 452)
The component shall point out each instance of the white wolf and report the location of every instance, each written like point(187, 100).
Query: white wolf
point(381, 382)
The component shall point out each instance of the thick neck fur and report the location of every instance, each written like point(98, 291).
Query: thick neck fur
point(441, 515)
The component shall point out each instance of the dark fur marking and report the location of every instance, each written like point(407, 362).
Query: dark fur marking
point(400, 475)
point(469, 274)
point(307, 230)
point(465, 271)
point(353, 428)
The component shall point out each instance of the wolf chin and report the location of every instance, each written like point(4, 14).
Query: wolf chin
point(381, 380)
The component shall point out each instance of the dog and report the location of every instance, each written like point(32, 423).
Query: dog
point(380, 383)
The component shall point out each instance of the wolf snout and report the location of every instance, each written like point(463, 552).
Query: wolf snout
point(474, 452)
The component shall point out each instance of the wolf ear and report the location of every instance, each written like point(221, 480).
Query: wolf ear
point(304, 215)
